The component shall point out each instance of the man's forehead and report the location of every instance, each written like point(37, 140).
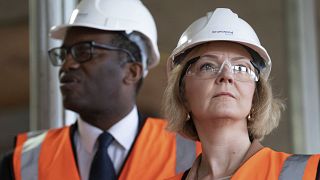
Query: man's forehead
point(78, 34)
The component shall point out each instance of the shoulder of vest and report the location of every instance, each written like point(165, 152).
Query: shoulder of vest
point(37, 132)
point(268, 156)
point(272, 152)
point(155, 128)
point(157, 121)
point(36, 136)
point(155, 125)
point(317, 155)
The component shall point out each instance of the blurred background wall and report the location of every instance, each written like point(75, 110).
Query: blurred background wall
point(268, 18)
point(14, 71)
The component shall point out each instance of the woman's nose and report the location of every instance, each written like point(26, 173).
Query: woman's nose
point(225, 74)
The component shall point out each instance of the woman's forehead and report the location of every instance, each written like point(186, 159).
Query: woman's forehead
point(219, 49)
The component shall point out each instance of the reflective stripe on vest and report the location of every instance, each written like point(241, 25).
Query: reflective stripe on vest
point(186, 153)
point(294, 167)
point(30, 155)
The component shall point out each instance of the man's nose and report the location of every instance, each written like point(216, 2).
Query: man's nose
point(69, 63)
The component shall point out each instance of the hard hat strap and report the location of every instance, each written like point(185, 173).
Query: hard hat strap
point(257, 60)
point(185, 69)
point(138, 39)
point(180, 57)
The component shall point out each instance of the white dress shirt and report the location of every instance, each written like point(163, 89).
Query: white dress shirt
point(124, 133)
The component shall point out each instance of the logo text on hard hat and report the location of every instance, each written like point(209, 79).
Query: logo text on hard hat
point(225, 32)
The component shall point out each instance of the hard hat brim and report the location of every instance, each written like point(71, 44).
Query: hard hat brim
point(59, 32)
point(259, 49)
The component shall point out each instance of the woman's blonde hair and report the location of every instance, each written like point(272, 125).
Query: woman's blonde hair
point(263, 118)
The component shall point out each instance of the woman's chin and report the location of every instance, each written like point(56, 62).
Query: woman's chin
point(225, 114)
point(224, 110)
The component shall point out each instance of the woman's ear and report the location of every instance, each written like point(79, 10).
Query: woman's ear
point(133, 73)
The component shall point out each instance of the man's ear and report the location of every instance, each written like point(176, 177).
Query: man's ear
point(134, 73)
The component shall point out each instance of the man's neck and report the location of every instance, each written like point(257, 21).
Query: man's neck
point(106, 119)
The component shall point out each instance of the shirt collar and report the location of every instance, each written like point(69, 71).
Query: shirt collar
point(124, 131)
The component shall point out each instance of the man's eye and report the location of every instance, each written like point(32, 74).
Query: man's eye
point(82, 51)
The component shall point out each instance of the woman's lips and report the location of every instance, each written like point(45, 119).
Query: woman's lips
point(224, 94)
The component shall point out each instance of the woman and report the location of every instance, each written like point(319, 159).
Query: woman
point(218, 92)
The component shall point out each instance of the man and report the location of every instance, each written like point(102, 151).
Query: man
point(108, 48)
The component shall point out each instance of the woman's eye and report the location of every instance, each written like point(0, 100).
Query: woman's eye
point(208, 67)
point(241, 68)
point(244, 64)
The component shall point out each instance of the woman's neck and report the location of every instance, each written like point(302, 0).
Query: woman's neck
point(224, 146)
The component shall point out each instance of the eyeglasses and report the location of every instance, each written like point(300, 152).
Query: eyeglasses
point(82, 52)
point(207, 67)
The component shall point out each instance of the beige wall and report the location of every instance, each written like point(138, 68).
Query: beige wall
point(14, 71)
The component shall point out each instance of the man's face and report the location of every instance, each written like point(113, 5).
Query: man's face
point(95, 85)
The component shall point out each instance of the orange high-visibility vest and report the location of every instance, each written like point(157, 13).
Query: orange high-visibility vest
point(156, 154)
point(267, 164)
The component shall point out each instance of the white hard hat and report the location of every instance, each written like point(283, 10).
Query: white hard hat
point(115, 15)
point(221, 25)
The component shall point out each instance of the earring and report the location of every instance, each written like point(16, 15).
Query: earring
point(250, 114)
point(188, 117)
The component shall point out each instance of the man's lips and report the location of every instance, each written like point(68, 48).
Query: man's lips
point(224, 94)
point(68, 80)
